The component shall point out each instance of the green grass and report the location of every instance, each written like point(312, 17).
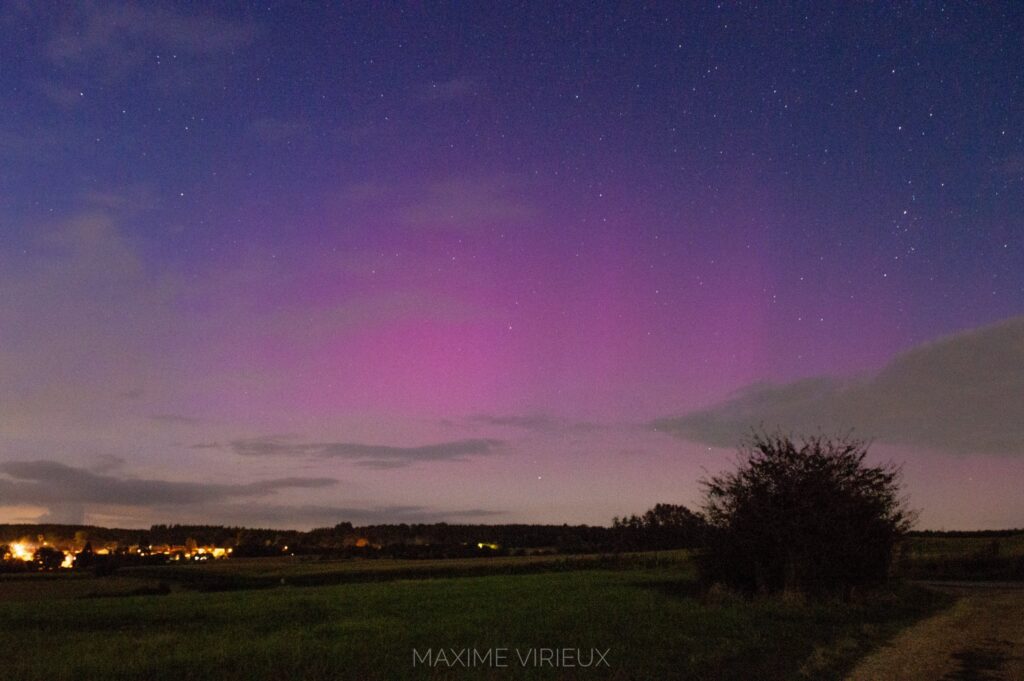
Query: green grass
point(262, 573)
point(963, 558)
point(255, 573)
point(652, 617)
point(959, 547)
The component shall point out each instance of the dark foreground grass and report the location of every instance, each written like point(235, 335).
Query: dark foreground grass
point(262, 573)
point(653, 620)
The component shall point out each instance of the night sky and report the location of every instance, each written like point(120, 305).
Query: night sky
point(287, 265)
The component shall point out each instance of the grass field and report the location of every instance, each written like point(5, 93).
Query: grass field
point(953, 547)
point(645, 610)
point(963, 558)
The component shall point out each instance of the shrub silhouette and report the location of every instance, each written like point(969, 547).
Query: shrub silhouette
point(666, 526)
point(805, 515)
point(48, 558)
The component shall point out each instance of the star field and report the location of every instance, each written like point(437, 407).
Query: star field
point(403, 226)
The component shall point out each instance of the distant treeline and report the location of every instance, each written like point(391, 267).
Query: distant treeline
point(963, 534)
point(666, 526)
point(339, 536)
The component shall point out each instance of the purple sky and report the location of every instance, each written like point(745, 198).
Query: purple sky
point(283, 266)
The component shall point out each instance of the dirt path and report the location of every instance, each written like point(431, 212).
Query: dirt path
point(981, 638)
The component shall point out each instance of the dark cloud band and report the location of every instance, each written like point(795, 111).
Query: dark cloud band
point(368, 455)
point(50, 482)
point(961, 394)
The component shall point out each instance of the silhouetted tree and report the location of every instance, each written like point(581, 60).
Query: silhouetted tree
point(86, 557)
point(807, 515)
point(48, 558)
point(666, 526)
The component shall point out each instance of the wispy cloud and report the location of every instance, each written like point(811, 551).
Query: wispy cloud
point(123, 201)
point(93, 245)
point(960, 394)
point(463, 203)
point(97, 43)
point(177, 420)
point(108, 462)
point(312, 515)
point(46, 482)
point(456, 203)
point(71, 494)
point(124, 31)
point(545, 423)
point(363, 454)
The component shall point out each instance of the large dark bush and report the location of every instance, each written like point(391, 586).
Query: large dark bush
point(803, 515)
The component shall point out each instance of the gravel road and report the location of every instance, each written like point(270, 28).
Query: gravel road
point(980, 638)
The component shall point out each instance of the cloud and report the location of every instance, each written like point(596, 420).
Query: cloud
point(79, 495)
point(76, 305)
point(93, 245)
point(46, 483)
point(64, 514)
point(108, 462)
point(461, 203)
point(455, 203)
point(296, 516)
point(177, 420)
point(127, 32)
point(124, 201)
point(960, 394)
point(368, 455)
point(535, 422)
point(318, 322)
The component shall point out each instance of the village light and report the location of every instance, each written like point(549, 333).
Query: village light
point(22, 551)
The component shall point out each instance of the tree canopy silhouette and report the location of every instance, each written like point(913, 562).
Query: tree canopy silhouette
point(803, 515)
point(666, 526)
